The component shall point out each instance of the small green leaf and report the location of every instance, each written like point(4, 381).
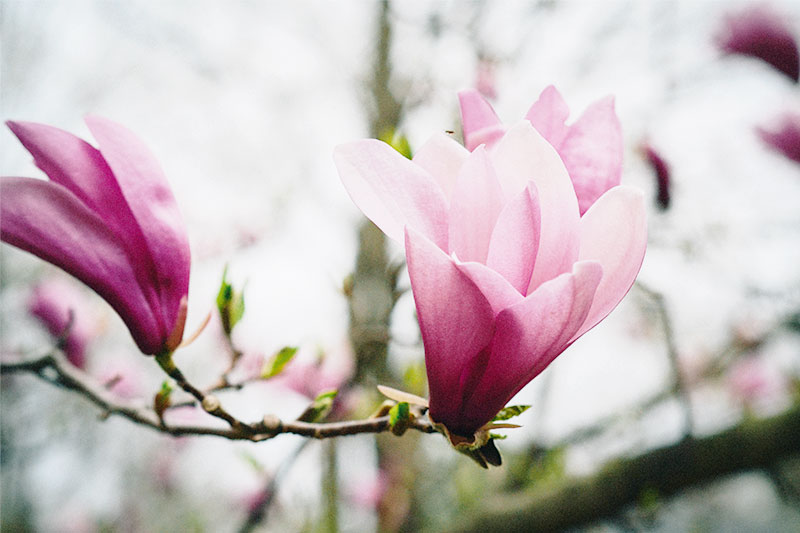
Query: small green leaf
point(497, 436)
point(277, 362)
point(230, 304)
point(510, 412)
point(399, 418)
point(319, 408)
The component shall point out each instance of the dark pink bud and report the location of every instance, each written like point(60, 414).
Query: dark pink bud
point(785, 138)
point(760, 32)
point(64, 312)
point(661, 170)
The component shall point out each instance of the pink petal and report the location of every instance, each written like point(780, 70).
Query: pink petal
point(146, 190)
point(47, 220)
point(523, 155)
point(392, 191)
point(78, 166)
point(515, 239)
point(477, 200)
point(494, 287)
point(548, 115)
point(592, 152)
point(456, 320)
point(442, 157)
point(614, 233)
point(528, 336)
point(478, 120)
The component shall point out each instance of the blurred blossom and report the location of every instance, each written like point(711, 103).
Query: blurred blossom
point(123, 379)
point(485, 78)
point(369, 492)
point(760, 32)
point(752, 381)
point(505, 272)
point(108, 217)
point(311, 373)
point(52, 302)
point(591, 148)
point(661, 169)
point(785, 136)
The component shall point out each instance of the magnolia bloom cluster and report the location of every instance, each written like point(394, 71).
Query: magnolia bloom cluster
point(108, 217)
point(516, 244)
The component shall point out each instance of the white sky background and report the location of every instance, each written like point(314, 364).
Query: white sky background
point(243, 102)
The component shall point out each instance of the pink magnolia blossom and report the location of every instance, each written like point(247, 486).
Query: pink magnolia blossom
point(505, 272)
point(591, 148)
point(784, 137)
point(760, 32)
point(108, 218)
point(58, 305)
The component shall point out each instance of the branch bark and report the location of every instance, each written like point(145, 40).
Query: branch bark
point(55, 369)
point(751, 445)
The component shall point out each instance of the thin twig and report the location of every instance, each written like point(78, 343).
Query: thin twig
point(55, 369)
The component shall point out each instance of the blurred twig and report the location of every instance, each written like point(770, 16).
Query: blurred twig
point(572, 502)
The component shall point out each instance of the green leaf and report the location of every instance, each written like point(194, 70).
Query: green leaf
point(277, 362)
point(320, 407)
point(230, 304)
point(399, 418)
point(510, 412)
point(497, 436)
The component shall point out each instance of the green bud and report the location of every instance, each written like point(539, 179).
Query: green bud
point(319, 408)
point(162, 400)
point(398, 142)
point(400, 418)
point(230, 304)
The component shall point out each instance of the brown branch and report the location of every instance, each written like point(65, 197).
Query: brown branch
point(55, 369)
point(572, 502)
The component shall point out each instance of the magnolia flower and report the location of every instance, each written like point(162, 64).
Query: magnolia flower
point(591, 148)
point(108, 218)
point(785, 138)
point(505, 272)
point(759, 32)
point(64, 312)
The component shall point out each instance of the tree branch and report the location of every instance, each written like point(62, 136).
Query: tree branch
point(55, 369)
point(573, 502)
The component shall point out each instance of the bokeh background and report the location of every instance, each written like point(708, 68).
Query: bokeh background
point(243, 103)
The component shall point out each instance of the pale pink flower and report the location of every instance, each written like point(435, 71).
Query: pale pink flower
point(108, 218)
point(485, 82)
point(784, 137)
point(758, 31)
point(505, 272)
point(591, 148)
point(59, 305)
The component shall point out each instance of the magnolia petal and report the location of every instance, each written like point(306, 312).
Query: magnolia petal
point(592, 152)
point(526, 335)
point(392, 191)
point(442, 157)
point(614, 233)
point(81, 168)
point(523, 155)
point(548, 115)
point(494, 287)
point(155, 210)
point(455, 319)
point(47, 220)
point(476, 202)
point(515, 239)
point(478, 120)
